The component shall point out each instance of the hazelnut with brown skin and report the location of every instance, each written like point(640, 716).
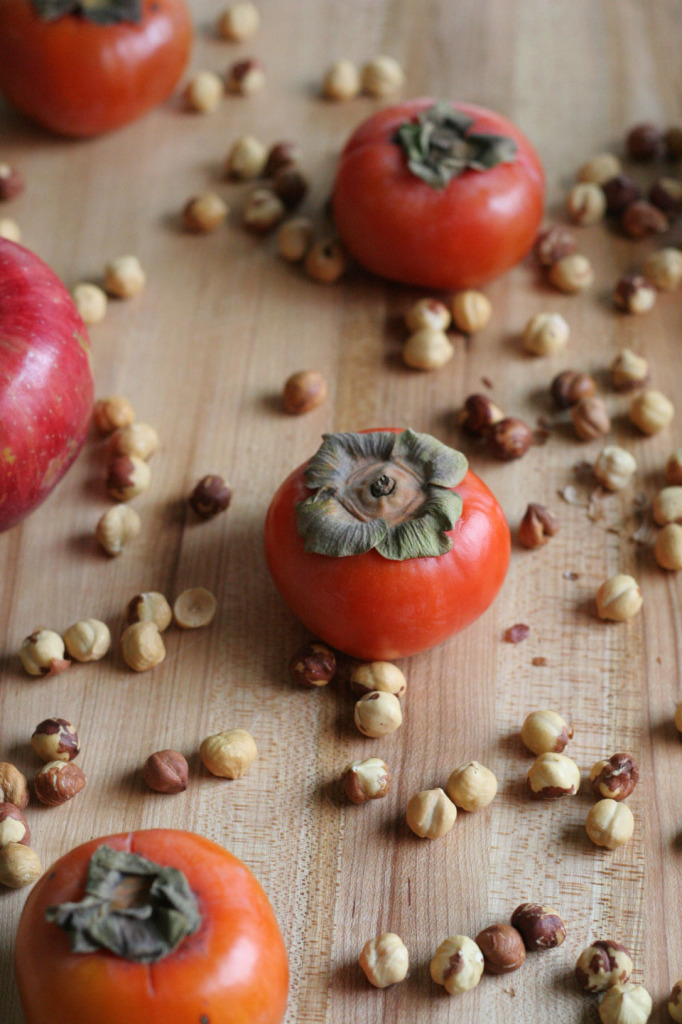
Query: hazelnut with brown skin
point(602, 964)
point(303, 392)
point(263, 211)
point(569, 386)
point(675, 1003)
point(13, 786)
point(643, 142)
point(245, 77)
point(166, 771)
point(666, 194)
point(13, 826)
point(58, 781)
point(634, 294)
point(290, 185)
point(620, 191)
point(541, 927)
point(211, 495)
point(590, 418)
point(553, 244)
point(510, 438)
point(479, 415)
point(313, 665)
point(628, 370)
point(55, 739)
point(537, 526)
point(12, 183)
point(672, 140)
point(127, 477)
point(280, 155)
point(642, 218)
point(616, 777)
point(366, 780)
point(502, 948)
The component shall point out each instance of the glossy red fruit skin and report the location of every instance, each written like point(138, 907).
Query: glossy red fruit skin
point(46, 385)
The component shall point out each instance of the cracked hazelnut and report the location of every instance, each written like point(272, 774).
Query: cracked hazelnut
point(263, 211)
point(19, 866)
point(385, 960)
point(382, 76)
point(427, 349)
point(586, 203)
point(457, 964)
point(590, 418)
point(643, 141)
point(620, 191)
point(553, 775)
point(378, 713)
point(366, 780)
point(313, 665)
point(428, 313)
point(666, 194)
point(479, 415)
point(553, 243)
point(42, 653)
point(614, 467)
point(203, 92)
point(238, 22)
point(55, 739)
point(166, 771)
point(545, 334)
point(88, 640)
point(540, 927)
point(116, 528)
point(569, 387)
point(127, 477)
point(377, 676)
point(600, 168)
point(619, 598)
point(13, 826)
point(294, 239)
point(634, 294)
point(110, 413)
point(341, 81)
point(58, 781)
point(545, 732)
point(625, 1004)
point(610, 823)
point(651, 411)
point(667, 506)
point(602, 964)
point(290, 185)
point(471, 786)
point(642, 218)
point(13, 786)
point(430, 814)
point(245, 78)
point(303, 392)
point(230, 754)
point(675, 1003)
point(664, 269)
point(537, 526)
point(204, 213)
point(90, 301)
point(12, 182)
point(629, 370)
point(211, 495)
point(194, 608)
point(326, 261)
point(615, 777)
point(668, 547)
point(142, 646)
point(124, 277)
point(502, 948)
point(471, 311)
point(246, 159)
point(572, 273)
point(673, 468)
point(509, 438)
point(150, 606)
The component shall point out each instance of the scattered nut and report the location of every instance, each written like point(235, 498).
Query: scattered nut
point(42, 653)
point(672, 139)
point(203, 92)
point(377, 676)
point(673, 468)
point(430, 814)
point(88, 640)
point(12, 182)
point(280, 155)
point(678, 717)
point(142, 646)
point(619, 598)
point(19, 866)
point(615, 467)
point(9, 229)
point(667, 506)
point(238, 22)
point(675, 1003)
point(430, 313)
point(326, 261)
point(245, 78)
point(553, 775)
point(554, 243)
point(166, 771)
point(479, 415)
point(616, 777)
point(341, 81)
point(586, 203)
point(229, 754)
point(643, 142)
point(568, 387)
point(382, 76)
point(537, 526)
point(629, 370)
point(138, 439)
point(58, 781)
point(471, 786)
point(471, 311)
point(457, 964)
point(610, 824)
point(13, 826)
point(600, 168)
point(194, 608)
point(303, 392)
point(545, 732)
point(127, 476)
point(620, 191)
point(90, 301)
point(545, 334)
point(119, 525)
point(666, 194)
point(634, 294)
point(124, 278)
point(13, 786)
point(572, 273)
point(211, 495)
point(509, 438)
point(625, 1004)
point(540, 927)
point(246, 159)
point(263, 211)
point(55, 739)
point(603, 964)
point(427, 349)
point(290, 185)
point(651, 411)
point(294, 239)
point(150, 606)
point(502, 948)
point(385, 960)
point(366, 780)
point(590, 418)
point(378, 713)
point(668, 547)
point(664, 269)
point(204, 213)
point(642, 218)
point(313, 665)
point(111, 413)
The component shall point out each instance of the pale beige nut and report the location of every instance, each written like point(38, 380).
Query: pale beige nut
point(600, 168)
point(610, 823)
point(590, 418)
point(55, 739)
point(13, 786)
point(667, 505)
point(427, 349)
point(664, 269)
point(471, 786)
point(430, 313)
point(457, 964)
point(19, 866)
point(634, 294)
point(263, 211)
point(553, 775)
point(127, 477)
point(545, 334)
point(138, 439)
point(87, 640)
point(247, 158)
point(166, 771)
point(541, 927)
point(150, 606)
point(378, 713)
point(471, 311)
point(245, 78)
point(229, 754)
point(90, 301)
point(194, 608)
point(9, 229)
point(668, 547)
point(341, 81)
point(615, 467)
point(628, 370)
point(204, 213)
point(13, 826)
point(430, 814)
point(545, 731)
point(326, 261)
point(382, 76)
point(117, 527)
point(673, 468)
point(366, 780)
point(294, 239)
point(58, 781)
point(502, 947)
point(304, 391)
point(651, 411)
point(602, 964)
point(619, 598)
point(586, 203)
point(572, 273)
point(238, 22)
point(124, 277)
point(385, 960)
point(111, 413)
point(142, 646)
point(203, 92)
point(378, 675)
point(615, 777)
point(675, 1003)
point(625, 1003)
point(42, 653)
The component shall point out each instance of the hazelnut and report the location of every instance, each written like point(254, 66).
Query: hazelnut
point(382, 76)
point(430, 814)
point(479, 414)
point(572, 273)
point(204, 213)
point(377, 675)
point(471, 786)
point(42, 653)
point(610, 824)
point(471, 311)
point(668, 547)
point(245, 78)
point(263, 211)
point(673, 468)
point(678, 717)
point(616, 777)
point(502, 948)
point(675, 1003)
point(537, 526)
point(229, 754)
point(116, 528)
point(540, 927)
point(586, 203)
point(58, 781)
point(19, 866)
point(545, 732)
point(110, 413)
point(127, 477)
point(378, 713)
point(88, 640)
point(313, 665)
point(428, 313)
point(634, 294)
point(366, 780)
point(384, 960)
point(13, 826)
point(553, 775)
point(672, 139)
point(138, 439)
point(614, 467)
point(13, 786)
point(427, 349)
point(12, 182)
point(643, 142)
point(619, 598)
point(664, 269)
point(203, 92)
point(294, 239)
point(303, 392)
point(600, 168)
point(457, 964)
point(590, 418)
point(9, 229)
point(150, 606)
point(290, 185)
point(246, 159)
point(553, 243)
point(194, 608)
point(620, 191)
point(211, 495)
point(629, 370)
point(280, 155)
point(666, 194)
point(509, 438)
point(142, 646)
point(604, 963)
point(642, 218)
point(55, 739)
point(651, 411)
point(326, 261)
point(124, 278)
point(90, 301)
point(238, 22)
point(625, 1004)
point(545, 334)
point(166, 771)
point(568, 387)
point(341, 81)
point(667, 506)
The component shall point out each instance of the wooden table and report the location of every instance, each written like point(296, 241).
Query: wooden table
point(203, 354)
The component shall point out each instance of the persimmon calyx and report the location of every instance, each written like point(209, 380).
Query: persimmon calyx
point(132, 906)
point(439, 145)
point(382, 490)
point(102, 12)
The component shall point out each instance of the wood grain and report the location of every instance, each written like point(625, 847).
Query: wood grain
point(203, 354)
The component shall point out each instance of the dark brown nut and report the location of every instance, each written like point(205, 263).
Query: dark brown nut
point(313, 665)
point(58, 781)
point(210, 496)
point(590, 418)
point(616, 777)
point(12, 183)
point(127, 476)
point(620, 192)
point(280, 155)
point(366, 780)
point(553, 244)
point(569, 387)
point(537, 526)
point(603, 964)
point(502, 947)
point(245, 77)
point(290, 185)
point(55, 739)
point(666, 194)
point(634, 294)
point(479, 415)
point(673, 143)
point(166, 771)
point(13, 826)
point(540, 927)
point(304, 391)
point(13, 786)
point(642, 218)
point(510, 438)
point(643, 142)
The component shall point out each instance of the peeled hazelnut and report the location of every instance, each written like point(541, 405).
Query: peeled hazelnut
point(572, 274)
point(366, 780)
point(382, 76)
point(667, 505)
point(502, 948)
point(427, 349)
point(42, 653)
point(479, 414)
point(58, 781)
point(610, 824)
point(385, 960)
point(643, 141)
point(675, 1003)
point(294, 239)
point(540, 927)
point(642, 218)
point(211, 495)
point(203, 92)
point(303, 392)
point(19, 866)
point(651, 411)
point(116, 528)
point(313, 665)
point(229, 754)
point(586, 203)
point(553, 243)
point(55, 739)
point(545, 732)
point(553, 775)
point(280, 155)
point(629, 370)
point(12, 182)
point(290, 185)
point(9, 229)
point(378, 713)
point(90, 301)
point(124, 277)
point(150, 606)
point(604, 963)
point(545, 334)
point(246, 159)
point(625, 1004)
point(668, 547)
point(666, 194)
point(88, 640)
point(127, 477)
point(569, 387)
point(428, 313)
point(472, 786)
point(619, 598)
point(204, 213)
point(457, 964)
point(263, 211)
point(471, 311)
point(238, 22)
point(194, 608)
point(620, 191)
point(614, 467)
point(13, 786)
point(673, 468)
point(430, 814)
point(616, 777)
point(142, 646)
point(537, 526)
point(377, 675)
point(634, 294)
point(166, 771)
point(13, 826)
point(590, 418)
point(110, 413)
point(664, 269)
point(138, 439)
point(509, 438)
point(341, 81)
point(600, 168)
point(326, 261)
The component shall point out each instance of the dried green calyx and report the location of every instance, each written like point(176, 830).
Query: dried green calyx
point(132, 906)
point(440, 145)
point(102, 12)
point(391, 492)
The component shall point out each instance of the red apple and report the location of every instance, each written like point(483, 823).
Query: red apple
point(46, 386)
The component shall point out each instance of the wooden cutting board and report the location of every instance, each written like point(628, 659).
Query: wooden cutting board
point(202, 354)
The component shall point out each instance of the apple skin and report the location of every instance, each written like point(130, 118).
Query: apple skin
point(46, 385)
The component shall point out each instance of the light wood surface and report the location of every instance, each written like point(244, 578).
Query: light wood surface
point(202, 354)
